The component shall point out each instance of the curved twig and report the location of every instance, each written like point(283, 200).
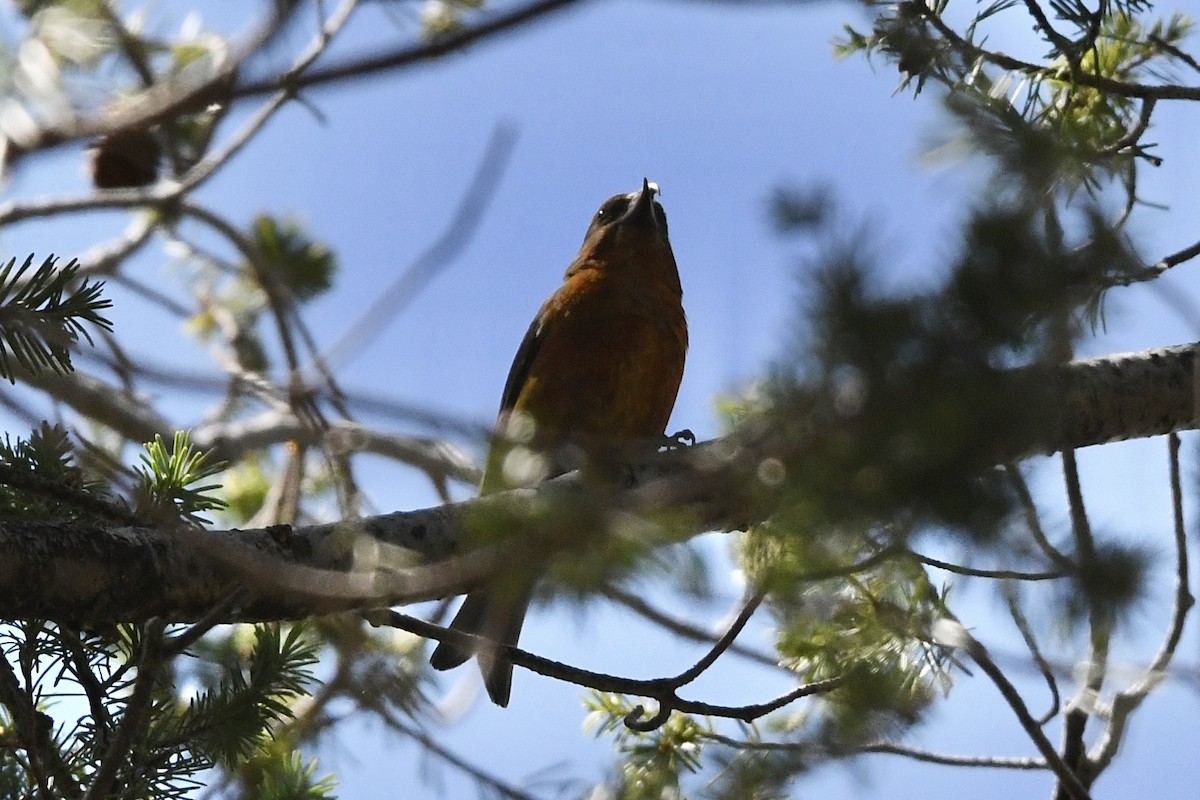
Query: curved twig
point(685, 629)
point(661, 690)
point(1069, 783)
point(1127, 701)
point(1043, 666)
point(998, 574)
point(388, 303)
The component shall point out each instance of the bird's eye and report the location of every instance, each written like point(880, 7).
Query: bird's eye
point(612, 210)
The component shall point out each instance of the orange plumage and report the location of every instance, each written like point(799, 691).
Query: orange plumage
point(600, 366)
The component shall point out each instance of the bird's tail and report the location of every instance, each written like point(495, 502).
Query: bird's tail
point(496, 618)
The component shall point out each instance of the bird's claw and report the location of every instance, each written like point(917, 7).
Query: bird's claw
point(679, 440)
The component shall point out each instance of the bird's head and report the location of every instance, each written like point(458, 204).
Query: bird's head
point(630, 232)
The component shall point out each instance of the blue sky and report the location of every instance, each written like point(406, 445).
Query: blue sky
point(718, 104)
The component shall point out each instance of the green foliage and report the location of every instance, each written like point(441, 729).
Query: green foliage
point(306, 267)
point(280, 774)
point(166, 476)
point(40, 479)
point(866, 622)
point(1068, 129)
point(226, 723)
point(245, 488)
point(902, 404)
point(43, 314)
point(651, 763)
point(1112, 581)
point(442, 19)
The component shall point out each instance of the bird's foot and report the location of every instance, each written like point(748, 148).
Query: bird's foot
point(679, 440)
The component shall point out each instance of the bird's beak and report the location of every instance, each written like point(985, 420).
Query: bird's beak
point(642, 210)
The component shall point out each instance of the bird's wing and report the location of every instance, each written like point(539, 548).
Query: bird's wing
point(519, 371)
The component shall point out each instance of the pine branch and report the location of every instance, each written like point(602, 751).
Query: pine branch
point(42, 316)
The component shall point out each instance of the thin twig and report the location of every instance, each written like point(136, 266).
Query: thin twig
point(972, 52)
point(82, 672)
point(661, 690)
point(163, 102)
point(1067, 779)
point(1085, 543)
point(885, 748)
point(1018, 618)
point(1017, 481)
point(753, 601)
point(406, 56)
point(1099, 625)
point(1060, 42)
point(32, 729)
point(998, 574)
point(388, 304)
point(1167, 262)
point(135, 715)
point(106, 258)
point(685, 629)
point(1127, 701)
point(494, 784)
point(152, 295)
point(1174, 51)
point(180, 642)
point(1135, 133)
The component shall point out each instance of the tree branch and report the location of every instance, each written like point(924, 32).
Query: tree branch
point(80, 572)
point(661, 690)
point(971, 52)
point(1127, 701)
point(405, 56)
point(888, 748)
point(953, 634)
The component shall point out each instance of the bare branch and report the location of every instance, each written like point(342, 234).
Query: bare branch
point(1100, 632)
point(685, 629)
point(407, 56)
point(1017, 481)
point(997, 574)
point(1018, 618)
point(1135, 133)
point(106, 258)
point(186, 575)
point(165, 100)
point(722, 644)
point(953, 634)
point(1060, 42)
point(1128, 700)
point(392, 300)
point(661, 690)
point(886, 748)
point(165, 193)
point(34, 734)
point(971, 53)
point(230, 439)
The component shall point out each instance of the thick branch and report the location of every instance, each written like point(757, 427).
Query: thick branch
point(76, 572)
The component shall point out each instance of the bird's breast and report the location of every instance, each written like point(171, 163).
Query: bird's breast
point(610, 363)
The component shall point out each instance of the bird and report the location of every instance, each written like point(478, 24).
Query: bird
point(597, 372)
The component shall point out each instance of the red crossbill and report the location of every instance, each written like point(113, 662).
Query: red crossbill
point(601, 363)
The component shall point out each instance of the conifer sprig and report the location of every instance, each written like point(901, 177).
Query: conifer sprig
point(43, 314)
